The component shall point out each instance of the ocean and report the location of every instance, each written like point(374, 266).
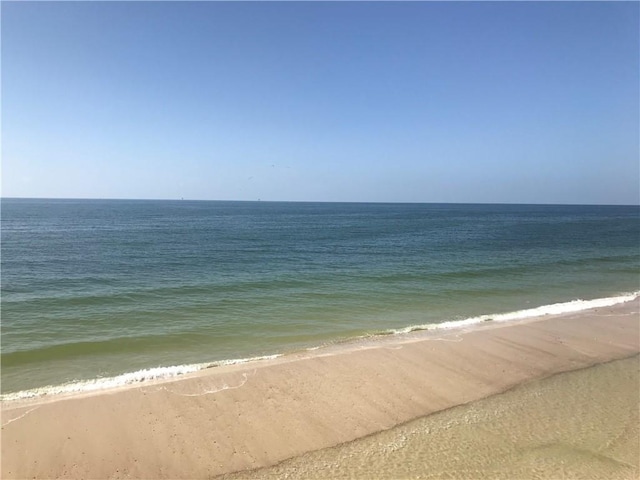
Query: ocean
point(101, 293)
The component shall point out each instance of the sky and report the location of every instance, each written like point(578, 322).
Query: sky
point(466, 102)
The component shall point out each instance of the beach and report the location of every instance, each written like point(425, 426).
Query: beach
point(235, 418)
point(317, 240)
point(578, 424)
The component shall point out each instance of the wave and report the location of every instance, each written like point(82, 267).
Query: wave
point(130, 378)
point(159, 373)
point(553, 309)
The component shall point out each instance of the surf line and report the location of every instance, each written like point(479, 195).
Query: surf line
point(19, 417)
point(224, 387)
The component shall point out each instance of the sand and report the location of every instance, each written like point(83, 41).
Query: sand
point(259, 414)
point(573, 425)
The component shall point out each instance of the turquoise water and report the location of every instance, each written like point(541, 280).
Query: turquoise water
point(97, 288)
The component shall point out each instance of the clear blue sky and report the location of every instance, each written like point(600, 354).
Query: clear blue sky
point(402, 102)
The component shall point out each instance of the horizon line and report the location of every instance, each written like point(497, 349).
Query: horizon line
point(181, 199)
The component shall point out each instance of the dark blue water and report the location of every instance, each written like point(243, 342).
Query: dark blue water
point(96, 288)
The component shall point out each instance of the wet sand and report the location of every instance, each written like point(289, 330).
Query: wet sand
point(573, 425)
point(254, 415)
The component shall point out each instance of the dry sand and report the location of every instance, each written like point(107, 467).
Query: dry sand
point(253, 415)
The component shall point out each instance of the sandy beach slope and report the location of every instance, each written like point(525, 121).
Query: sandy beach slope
point(572, 425)
point(247, 416)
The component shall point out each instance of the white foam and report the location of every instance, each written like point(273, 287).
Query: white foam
point(243, 360)
point(130, 378)
point(159, 373)
point(553, 309)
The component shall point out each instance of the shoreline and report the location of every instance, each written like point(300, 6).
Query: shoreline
point(245, 416)
point(177, 372)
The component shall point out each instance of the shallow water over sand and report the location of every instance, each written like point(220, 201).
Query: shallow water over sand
point(581, 424)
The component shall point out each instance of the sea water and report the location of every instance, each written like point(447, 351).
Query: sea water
point(99, 293)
